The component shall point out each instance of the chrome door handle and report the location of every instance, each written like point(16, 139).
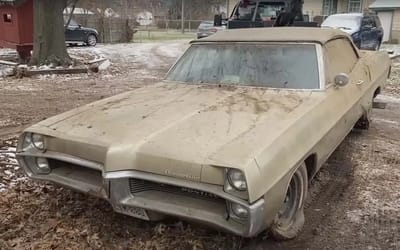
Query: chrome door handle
point(360, 82)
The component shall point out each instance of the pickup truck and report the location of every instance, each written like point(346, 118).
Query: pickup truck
point(261, 13)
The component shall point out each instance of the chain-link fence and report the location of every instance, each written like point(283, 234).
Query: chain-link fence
point(115, 30)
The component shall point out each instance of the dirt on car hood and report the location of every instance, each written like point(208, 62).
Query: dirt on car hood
point(178, 129)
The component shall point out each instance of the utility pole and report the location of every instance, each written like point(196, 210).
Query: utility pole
point(227, 9)
point(183, 17)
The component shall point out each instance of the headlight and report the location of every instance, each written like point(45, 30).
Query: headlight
point(43, 166)
point(237, 179)
point(37, 141)
point(239, 211)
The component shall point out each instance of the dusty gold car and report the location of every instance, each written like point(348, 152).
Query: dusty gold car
point(231, 137)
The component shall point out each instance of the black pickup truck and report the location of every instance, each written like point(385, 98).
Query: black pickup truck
point(259, 13)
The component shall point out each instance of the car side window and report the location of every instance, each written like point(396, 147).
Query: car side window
point(340, 57)
point(368, 22)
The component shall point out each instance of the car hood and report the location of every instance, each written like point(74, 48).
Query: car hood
point(349, 30)
point(89, 30)
point(179, 129)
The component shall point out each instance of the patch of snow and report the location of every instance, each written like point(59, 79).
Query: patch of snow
point(104, 65)
point(78, 11)
point(3, 187)
point(386, 121)
point(6, 71)
point(391, 47)
point(385, 98)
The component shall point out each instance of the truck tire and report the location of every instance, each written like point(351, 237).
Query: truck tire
point(290, 219)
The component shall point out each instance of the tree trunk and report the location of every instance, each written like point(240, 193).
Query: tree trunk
point(49, 37)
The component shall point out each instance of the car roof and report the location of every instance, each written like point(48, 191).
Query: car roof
point(349, 14)
point(281, 34)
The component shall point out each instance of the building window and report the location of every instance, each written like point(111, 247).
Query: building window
point(329, 7)
point(7, 18)
point(354, 6)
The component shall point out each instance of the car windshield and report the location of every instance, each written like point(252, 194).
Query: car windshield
point(347, 22)
point(206, 24)
point(265, 10)
point(293, 66)
point(71, 23)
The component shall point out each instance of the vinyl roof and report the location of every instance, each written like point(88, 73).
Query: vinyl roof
point(281, 34)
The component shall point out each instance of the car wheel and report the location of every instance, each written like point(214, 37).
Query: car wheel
point(290, 218)
point(363, 123)
point(91, 40)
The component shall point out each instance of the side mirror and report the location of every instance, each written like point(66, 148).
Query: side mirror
point(80, 26)
point(218, 20)
point(341, 80)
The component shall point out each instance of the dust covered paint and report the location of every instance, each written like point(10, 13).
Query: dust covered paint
point(168, 148)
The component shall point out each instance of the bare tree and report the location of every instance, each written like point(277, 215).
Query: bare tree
point(49, 36)
point(73, 4)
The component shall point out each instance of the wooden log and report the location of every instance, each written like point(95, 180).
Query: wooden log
point(26, 72)
point(379, 105)
point(8, 63)
point(99, 60)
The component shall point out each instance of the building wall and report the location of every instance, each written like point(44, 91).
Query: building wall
point(315, 6)
point(9, 34)
point(312, 8)
point(367, 3)
point(396, 27)
point(342, 6)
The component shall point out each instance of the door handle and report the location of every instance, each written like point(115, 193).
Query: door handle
point(360, 82)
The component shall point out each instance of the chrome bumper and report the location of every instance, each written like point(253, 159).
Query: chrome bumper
point(115, 188)
point(188, 208)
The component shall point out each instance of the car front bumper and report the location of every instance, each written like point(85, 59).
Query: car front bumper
point(148, 196)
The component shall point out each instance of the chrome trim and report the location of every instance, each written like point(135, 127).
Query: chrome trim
point(228, 188)
point(214, 189)
point(197, 210)
point(63, 157)
point(321, 66)
point(114, 187)
point(100, 191)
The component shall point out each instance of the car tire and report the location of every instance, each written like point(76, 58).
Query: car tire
point(290, 219)
point(363, 123)
point(91, 40)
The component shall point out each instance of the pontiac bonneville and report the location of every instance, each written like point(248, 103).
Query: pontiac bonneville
point(231, 138)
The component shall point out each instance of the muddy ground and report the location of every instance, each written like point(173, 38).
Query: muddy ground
point(354, 202)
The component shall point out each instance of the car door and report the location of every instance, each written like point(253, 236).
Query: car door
point(346, 103)
point(77, 33)
point(379, 29)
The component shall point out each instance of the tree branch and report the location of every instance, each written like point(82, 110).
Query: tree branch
point(73, 3)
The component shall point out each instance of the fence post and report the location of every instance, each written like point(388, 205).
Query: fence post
point(183, 17)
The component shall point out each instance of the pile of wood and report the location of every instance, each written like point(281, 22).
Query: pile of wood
point(20, 70)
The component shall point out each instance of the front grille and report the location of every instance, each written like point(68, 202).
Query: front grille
point(138, 186)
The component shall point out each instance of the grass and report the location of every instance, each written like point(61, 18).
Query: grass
point(153, 35)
